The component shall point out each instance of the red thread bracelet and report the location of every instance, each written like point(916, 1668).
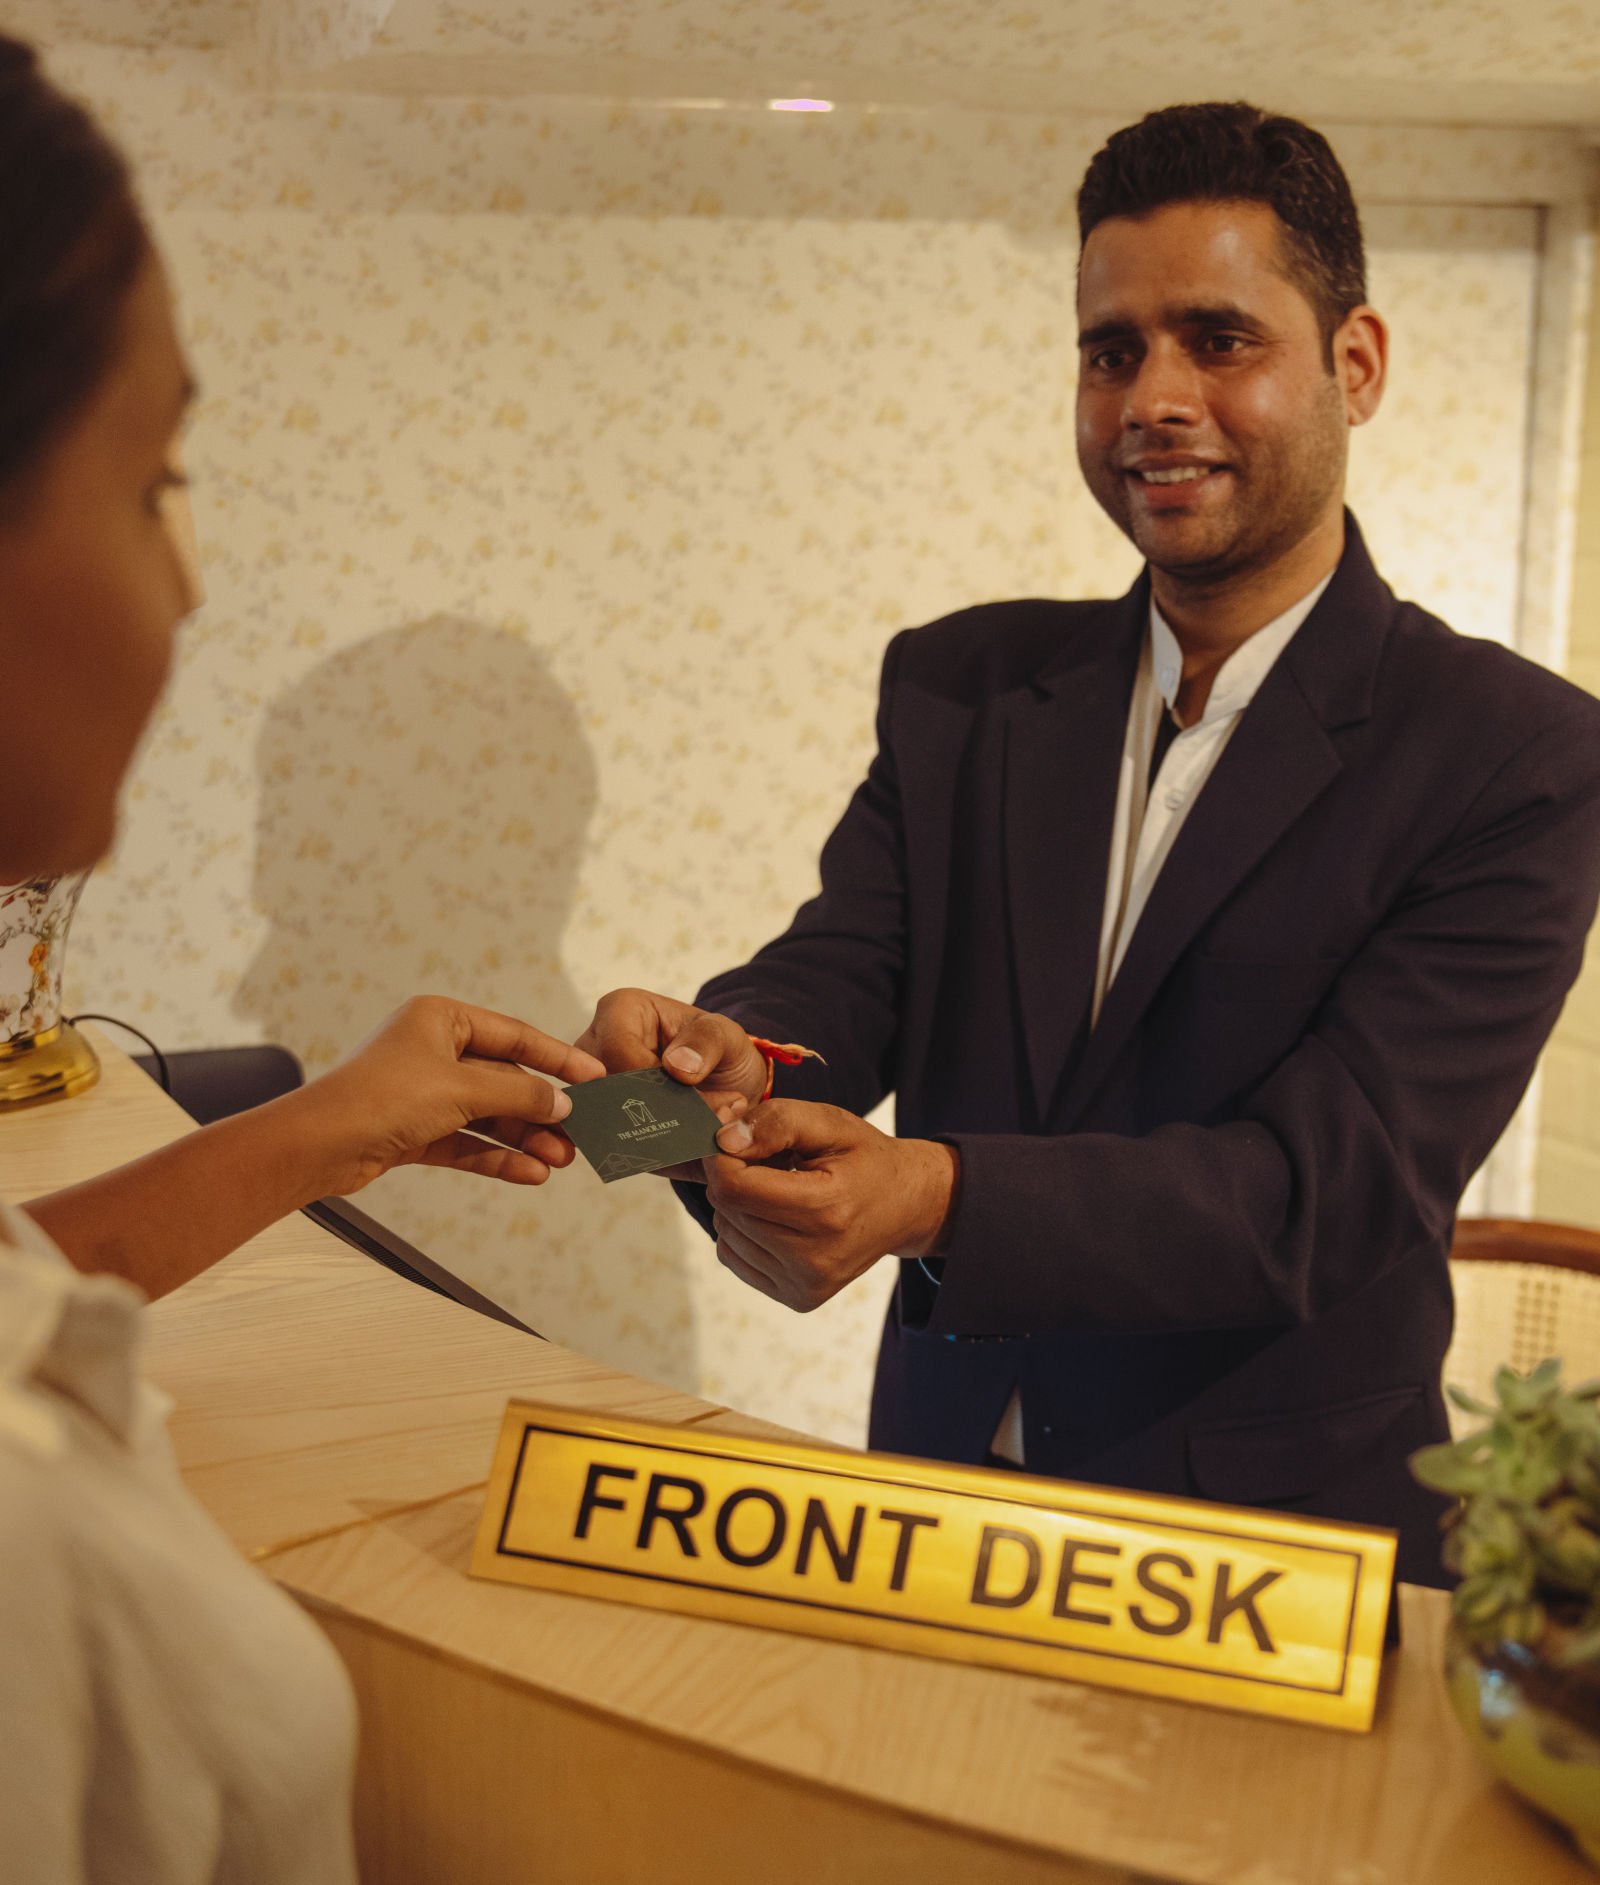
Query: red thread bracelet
point(790, 1053)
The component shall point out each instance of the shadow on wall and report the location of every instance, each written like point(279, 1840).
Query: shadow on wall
point(424, 800)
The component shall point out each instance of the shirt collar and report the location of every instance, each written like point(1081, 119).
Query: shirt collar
point(79, 1335)
point(1244, 670)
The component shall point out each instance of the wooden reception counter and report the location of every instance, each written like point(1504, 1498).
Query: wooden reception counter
point(339, 1424)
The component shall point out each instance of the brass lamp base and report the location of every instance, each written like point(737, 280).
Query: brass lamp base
point(53, 1064)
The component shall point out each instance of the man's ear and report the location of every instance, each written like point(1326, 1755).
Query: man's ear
point(1360, 349)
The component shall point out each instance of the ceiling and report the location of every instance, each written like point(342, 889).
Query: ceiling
point(1532, 62)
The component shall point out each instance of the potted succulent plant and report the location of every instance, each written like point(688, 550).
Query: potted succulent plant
point(1522, 1658)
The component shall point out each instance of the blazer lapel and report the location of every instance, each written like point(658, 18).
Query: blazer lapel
point(1063, 749)
point(1280, 759)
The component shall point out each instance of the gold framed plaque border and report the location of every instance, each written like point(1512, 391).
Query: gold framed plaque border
point(1365, 1554)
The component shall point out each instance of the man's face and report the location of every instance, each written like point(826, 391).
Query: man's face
point(1210, 427)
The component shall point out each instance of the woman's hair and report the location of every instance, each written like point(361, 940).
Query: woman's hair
point(71, 244)
point(1239, 153)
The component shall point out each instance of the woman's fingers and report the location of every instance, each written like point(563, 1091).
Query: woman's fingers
point(493, 1090)
point(544, 1142)
point(444, 1082)
point(466, 1153)
point(491, 1036)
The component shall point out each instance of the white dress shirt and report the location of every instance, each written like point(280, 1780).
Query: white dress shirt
point(1147, 821)
point(167, 1715)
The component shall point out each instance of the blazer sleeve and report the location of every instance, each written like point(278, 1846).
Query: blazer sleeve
point(1356, 1148)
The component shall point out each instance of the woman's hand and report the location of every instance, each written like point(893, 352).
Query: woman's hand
point(445, 1083)
point(440, 1083)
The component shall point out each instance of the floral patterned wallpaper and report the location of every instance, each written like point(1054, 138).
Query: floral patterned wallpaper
point(560, 474)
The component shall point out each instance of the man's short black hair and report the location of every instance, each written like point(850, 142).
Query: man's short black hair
point(1239, 153)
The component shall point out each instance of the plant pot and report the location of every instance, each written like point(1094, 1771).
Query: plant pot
point(42, 1057)
point(1536, 1724)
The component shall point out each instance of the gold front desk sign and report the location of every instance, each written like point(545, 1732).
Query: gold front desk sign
point(1247, 1610)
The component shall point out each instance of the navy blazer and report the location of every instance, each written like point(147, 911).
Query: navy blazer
point(1206, 1237)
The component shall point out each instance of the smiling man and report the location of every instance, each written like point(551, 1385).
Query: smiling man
point(1207, 937)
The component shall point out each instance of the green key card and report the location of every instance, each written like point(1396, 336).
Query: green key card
point(639, 1122)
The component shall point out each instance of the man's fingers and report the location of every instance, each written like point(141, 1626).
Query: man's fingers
point(694, 1173)
point(749, 1262)
point(730, 1261)
point(764, 1269)
point(799, 1126)
point(633, 1028)
point(768, 1164)
point(727, 1106)
point(630, 1027)
point(802, 1202)
point(712, 1051)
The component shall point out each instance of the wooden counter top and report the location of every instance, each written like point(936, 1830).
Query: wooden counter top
point(338, 1422)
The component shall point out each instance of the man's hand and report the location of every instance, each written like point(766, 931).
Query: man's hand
point(444, 1083)
point(840, 1195)
point(633, 1028)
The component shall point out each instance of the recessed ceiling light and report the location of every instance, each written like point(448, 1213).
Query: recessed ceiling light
point(799, 104)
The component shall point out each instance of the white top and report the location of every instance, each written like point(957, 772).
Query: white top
point(167, 1715)
point(1146, 824)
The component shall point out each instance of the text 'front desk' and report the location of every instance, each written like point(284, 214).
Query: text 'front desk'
point(340, 1424)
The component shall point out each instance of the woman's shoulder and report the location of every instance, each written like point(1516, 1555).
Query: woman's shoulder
point(39, 1549)
point(66, 1339)
point(41, 1503)
point(35, 1286)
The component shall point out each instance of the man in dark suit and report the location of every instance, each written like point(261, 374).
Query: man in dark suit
point(1208, 937)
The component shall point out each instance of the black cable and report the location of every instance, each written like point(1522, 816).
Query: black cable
point(138, 1033)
